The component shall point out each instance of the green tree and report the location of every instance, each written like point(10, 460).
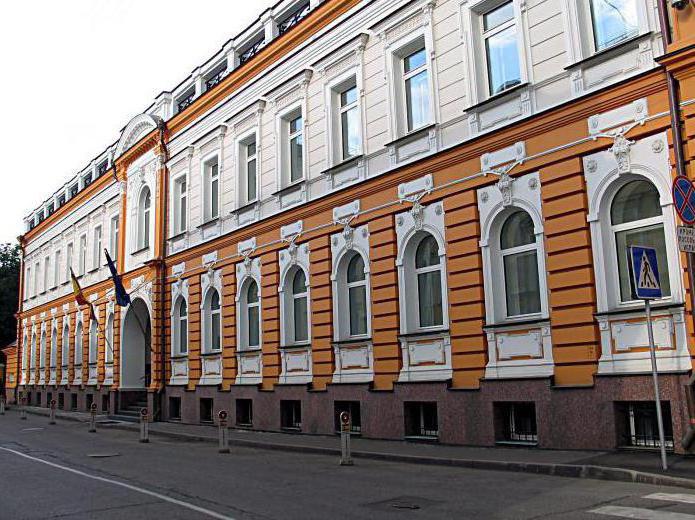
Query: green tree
point(9, 291)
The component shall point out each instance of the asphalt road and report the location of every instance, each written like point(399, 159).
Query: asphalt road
point(63, 471)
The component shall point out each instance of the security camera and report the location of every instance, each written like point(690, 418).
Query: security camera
point(679, 4)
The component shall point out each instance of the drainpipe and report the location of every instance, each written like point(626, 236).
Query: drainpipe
point(675, 114)
point(20, 308)
point(162, 126)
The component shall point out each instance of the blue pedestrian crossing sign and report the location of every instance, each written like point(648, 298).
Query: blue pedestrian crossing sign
point(646, 284)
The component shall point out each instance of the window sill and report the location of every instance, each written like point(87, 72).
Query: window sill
point(244, 207)
point(296, 346)
point(421, 438)
point(413, 134)
point(209, 223)
point(177, 236)
point(342, 165)
point(353, 341)
point(290, 187)
point(519, 444)
point(142, 249)
point(639, 309)
point(491, 100)
point(540, 321)
point(424, 333)
point(610, 51)
point(244, 426)
point(212, 353)
point(179, 356)
point(249, 350)
point(93, 270)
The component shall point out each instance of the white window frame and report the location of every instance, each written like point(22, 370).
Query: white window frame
point(42, 350)
point(206, 185)
point(334, 127)
point(409, 234)
point(242, 143)
point(284, 138)
point(144, 220)
point(82, 255)
point(54, 347)
point(46, 272)
point(289, 265)
point(341, 298)
point(96, 247)
point(93, 350)
point(244, 276)
point(56, 268)
point(108, 345)
point(395, 53)
point(37, 267)
point(69, 259)
point(32, 352)
point(27, 282)
point(208, 315)
point(176, 319)
point(472, 12)
point(79, 345)
point(179, 197)
point(114, 230)
point(65, 346)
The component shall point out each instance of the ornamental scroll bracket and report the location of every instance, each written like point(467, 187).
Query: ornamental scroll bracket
point(621, 148)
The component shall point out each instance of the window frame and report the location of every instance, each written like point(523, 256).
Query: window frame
point(93, 350)
point(243, 160)
point(207, 185)
point(487, 34)
point(82, 255)
point(590, 23)
point(110, 333)
point(288, 300)
point(69, 259)
point(114, 231)
point(65, 346)
point(97, 244)
point(177, 320)
point(144, 220)
point(341, 295)
point(242, 315)
point(79, 345)
point(334, 127)
point(180, 203)
point(53, 358)
point(284, 136)
point(209, 316)
point(56, 267)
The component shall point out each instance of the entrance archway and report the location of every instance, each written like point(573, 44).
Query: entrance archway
point(136, 340)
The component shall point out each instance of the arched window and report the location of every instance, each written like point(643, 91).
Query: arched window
point(637, 220)
point(428, 272)
point(519, 254)
point(78, 344)
point(65, 352)
point(42, 351)
point(212, 321)
point(54, 348)
point(299, 307)
point(32, 352)
point(108, 354)
point(356, 283)
point(253, 310)
point(93, 341)
point(181, 327)
point(144, 218)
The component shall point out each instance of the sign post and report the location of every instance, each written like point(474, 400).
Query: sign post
point(223, 432)
point(646, 285)
point(52, 413)
point(144, 432)
point(345, 456)
point(23, 410)
point(93, 418)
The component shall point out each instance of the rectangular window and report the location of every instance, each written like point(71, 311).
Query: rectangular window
point(521, 283)
point(96, 252)
point(417, 90)
point(516, 423)
point(430, 298)
point(61, 401)
point(501, 48)
point(37, 266)
point(180, 204)
point(73, 402)
point(251, 169)
point(291, 414)
point(56, 269)
point(301, 331)
point(27, 283)
point(421, 419)
point(82, 259)
point(215, 345)
point(212, 187)
point(46, 272)
point(206, 404)
point(639, 427)
point(113, 247)
point(296, 140)
point(174, 408)
point(613, 21)
point(68, 261)
point(353, 409)
point(244, 412)
point(349, 123)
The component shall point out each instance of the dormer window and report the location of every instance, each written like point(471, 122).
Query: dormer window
point(185, 100)
point(73, 190)
point(293, 18)
point(251, 50)
point(216, 75)
point(61, 200)
point(50, 209)
point(39, 216)
point(101, 169)
point(87, 180)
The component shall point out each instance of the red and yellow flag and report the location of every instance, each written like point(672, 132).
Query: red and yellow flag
point(79, 295)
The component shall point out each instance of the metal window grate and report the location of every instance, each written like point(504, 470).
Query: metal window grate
point(293, 19)
point(642, 428)
point(521, 423)
point(185, 102)
point(251, 51)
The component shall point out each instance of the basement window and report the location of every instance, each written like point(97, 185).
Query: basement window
point(638, 427)
point(206, 410)
point(351, 407)
point(421, 420)
point(516, 423)
point(244, 412)
point(174, 408)
point(291, 415)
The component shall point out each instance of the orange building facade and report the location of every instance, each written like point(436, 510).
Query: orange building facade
point(362, 207)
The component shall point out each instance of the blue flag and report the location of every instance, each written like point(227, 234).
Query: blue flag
point(122, 297)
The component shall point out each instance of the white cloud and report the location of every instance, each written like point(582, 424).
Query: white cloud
point(74, 72)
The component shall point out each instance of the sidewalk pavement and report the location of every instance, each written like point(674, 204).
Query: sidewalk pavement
point(621, 465)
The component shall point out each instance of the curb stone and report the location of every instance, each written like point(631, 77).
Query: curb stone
point(539, 468)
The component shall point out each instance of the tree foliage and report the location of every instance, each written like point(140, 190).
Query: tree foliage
point(9, 291)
